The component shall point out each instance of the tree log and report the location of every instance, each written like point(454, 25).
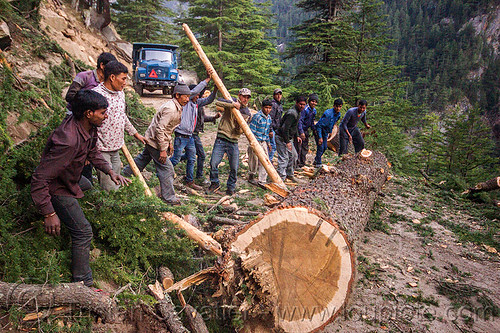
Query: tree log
point(195, 321)
point(333, 142)
point(298, 260)
point(490, 185)
point(166, 277)
point(34, 296)
point(225, 220)
point(167, 309)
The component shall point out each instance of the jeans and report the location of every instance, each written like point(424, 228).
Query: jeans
point(286, 158)
point(254, 165)
point(222, 146)
point(164, 171)
point(357, 140)
point(320, 148)
point(71, 215)
point(181, 144)
point(273, 147)
point(113, 158)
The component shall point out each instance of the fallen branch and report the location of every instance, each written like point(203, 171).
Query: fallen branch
point(225, 220)
point(223, 199)
point(33, 296)
point(194, 279)
point(167, 309)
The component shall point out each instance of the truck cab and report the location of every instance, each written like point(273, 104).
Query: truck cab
point(154, 67)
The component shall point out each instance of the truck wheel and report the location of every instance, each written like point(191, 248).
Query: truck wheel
point(138, 89)
point(168, 90)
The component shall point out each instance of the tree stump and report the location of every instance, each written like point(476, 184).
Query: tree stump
point(333, 142)
point(292, 269)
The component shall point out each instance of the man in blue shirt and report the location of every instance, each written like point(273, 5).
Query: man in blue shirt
point(184, 134)
point(349, 131)
point(324, 127)
point(260, 126)
point(306, 121)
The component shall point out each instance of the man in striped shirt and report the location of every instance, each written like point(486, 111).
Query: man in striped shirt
point(260, 126)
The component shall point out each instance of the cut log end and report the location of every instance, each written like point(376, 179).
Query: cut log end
point(299, 265)
point(365, 154)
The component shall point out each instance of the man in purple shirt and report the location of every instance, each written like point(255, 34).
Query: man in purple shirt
point(349, 131)
point(54, 183)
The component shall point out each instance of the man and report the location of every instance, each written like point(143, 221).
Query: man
point(54, 184)
point(159, 143)
point(276, 114)
point(324, 127)
point(285, 135)
point(111, 133)
point(226, 142)
point(184, 139)
point(88, 80)
point(260, 126)
point(306, 121)
point(349, 131)
point(200, 124)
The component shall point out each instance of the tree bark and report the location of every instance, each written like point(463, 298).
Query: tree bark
point(166, 277)
point(34, 296)
point(195, 321)
point(490, 185)
point(297, 262)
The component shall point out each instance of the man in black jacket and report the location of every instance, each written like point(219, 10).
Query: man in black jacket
point(276, 114)
point(287, 131)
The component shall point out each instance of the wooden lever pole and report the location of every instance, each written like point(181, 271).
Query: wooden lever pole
point(263, 158)
point(136, 170)
point(204, 240)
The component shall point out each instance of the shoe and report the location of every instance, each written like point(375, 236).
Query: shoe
point(213, 188)
point(262, 185)
point(253, 181)
point(292, 179)
point(173, 202)
point(230, 192)
point(192, 185)
point(202, 181)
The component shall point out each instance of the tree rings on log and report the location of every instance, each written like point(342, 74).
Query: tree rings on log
point(298, 267)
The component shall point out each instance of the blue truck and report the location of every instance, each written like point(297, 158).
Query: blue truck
point(154, 67)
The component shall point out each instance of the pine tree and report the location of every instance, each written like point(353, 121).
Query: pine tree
point(343, 48)
point(143, 20)
point(233, 34)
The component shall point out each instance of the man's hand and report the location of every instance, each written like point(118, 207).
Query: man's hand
point(350, 137)
point(209, 74)
point(217, 115)
point(52, 225)
point(289, 146)
point(271, 134)
point(303, 136)
point(170, 150)
point(237, 105)
point(119, 179)
point(140, 138)
point(320, 141)
point(163, 156)
point(368, 126)
point(268, 146)
point(299, 140)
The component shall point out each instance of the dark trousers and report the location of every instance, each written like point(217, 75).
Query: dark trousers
point(357, 140)
point(320, 148)
point(71, 215)
point(302, 150)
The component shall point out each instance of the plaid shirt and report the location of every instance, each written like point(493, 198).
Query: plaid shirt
point(260, 125)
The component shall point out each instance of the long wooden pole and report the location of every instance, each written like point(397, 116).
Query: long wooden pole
point(204, 240)
point(259, 151)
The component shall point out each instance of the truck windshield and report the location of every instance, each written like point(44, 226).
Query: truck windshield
point(157, 55)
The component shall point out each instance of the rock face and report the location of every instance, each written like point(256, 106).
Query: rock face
point(5, 39)
point(489, 25)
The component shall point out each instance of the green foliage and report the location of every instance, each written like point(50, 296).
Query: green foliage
point(143, 20)
point(234, 35)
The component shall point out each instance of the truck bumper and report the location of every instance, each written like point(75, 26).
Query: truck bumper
point(150, 83)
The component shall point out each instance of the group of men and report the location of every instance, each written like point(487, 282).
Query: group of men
point(92, 134)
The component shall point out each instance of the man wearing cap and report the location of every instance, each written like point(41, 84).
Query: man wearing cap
point(260, 126)
point(159, 143)
point(228, 133)
point(306, 121)
point(276, 113)
point(184, 132)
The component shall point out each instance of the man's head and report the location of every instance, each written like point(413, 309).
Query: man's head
point(300, 103)
point(312, 100)
point(362, 105)
point(90, 105)
point(267, 106)
point(278, 94)
point(182, 94)
point(103, 59)
point(115, 76)
point(337, 104)
point(244, 96)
